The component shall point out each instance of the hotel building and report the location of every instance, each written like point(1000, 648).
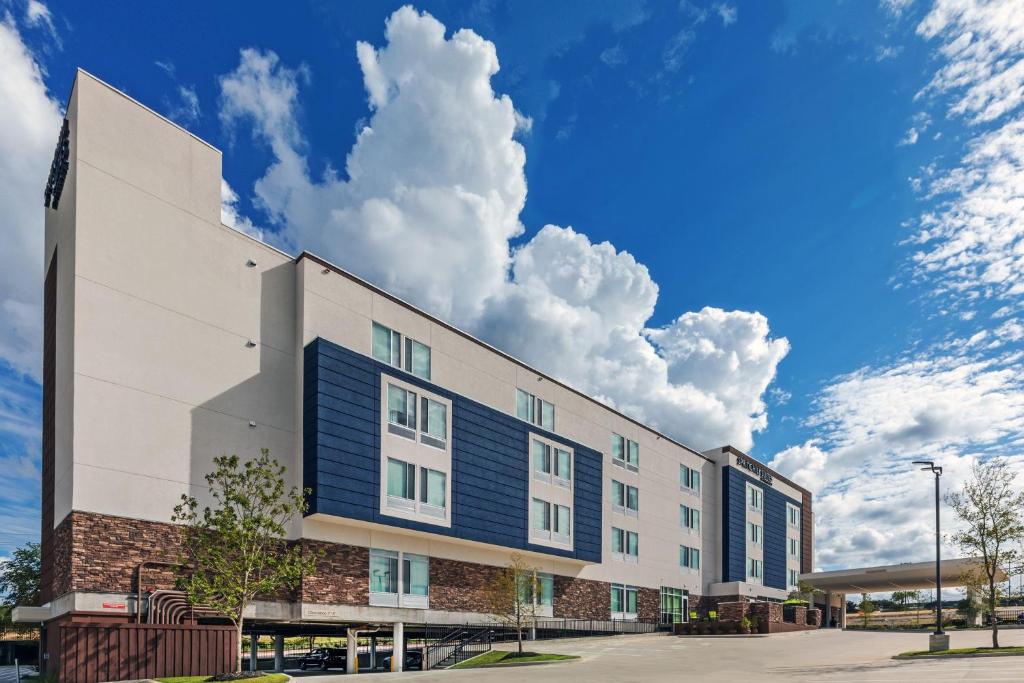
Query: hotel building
point(431, 456)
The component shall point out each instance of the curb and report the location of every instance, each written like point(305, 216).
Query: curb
point(514, 664)
point(977, 655)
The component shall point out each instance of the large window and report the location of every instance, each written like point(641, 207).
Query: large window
point(401, 487)
point(794, 547)
point(550, 521)
point(433, 424)
point(689, 558)
point(535, 410)
point(625, 498)
point(755, 498)
point(625, 545)
point(625, 453)
point(623, 601)
point(755, 570)
point(689, 479)
point(673, 609)
point(399, 579)
point(794, 579)
point(689, 518)
point(755, 533)
point(387, 348)
point(538, 589)
point(551, 463)
point(793, 515)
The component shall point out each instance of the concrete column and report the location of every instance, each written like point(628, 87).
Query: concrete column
point(279, 653)
point(842, 610)
point(398, 651)
point(373, 653)
point(254, 649)
point(828, 609)
point(351, 653)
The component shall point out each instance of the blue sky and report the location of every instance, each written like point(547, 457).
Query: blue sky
point(813, 208)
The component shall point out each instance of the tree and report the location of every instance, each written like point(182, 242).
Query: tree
point(236, 549)
point(901, 598)
point(991, 508)
point(867, 608)
point(510, 595)
point(19, 581)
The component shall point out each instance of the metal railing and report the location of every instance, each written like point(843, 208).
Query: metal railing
point(457, 647)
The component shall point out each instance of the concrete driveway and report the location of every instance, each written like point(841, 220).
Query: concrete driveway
point(825, 655)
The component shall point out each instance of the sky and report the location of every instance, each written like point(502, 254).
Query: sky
point(792, 226)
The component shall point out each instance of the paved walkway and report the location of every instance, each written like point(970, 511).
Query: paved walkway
point(815, 655)
point(7, 673)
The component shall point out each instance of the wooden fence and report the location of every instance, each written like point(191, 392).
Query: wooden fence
point(93, 653)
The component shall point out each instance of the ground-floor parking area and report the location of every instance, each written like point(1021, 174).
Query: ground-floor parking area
point(825, 655)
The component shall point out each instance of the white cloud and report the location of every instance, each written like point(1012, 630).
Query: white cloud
point(911, 137)
point(431, 199)
point(614, 56)
point(28, 134)
point(727, 13)
point(37, 15)
point(896, 7)
point(230, 216)
point(870, 425)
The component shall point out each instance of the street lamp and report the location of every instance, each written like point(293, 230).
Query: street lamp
point(929, 466)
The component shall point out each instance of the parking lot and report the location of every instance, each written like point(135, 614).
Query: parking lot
point(815, 655)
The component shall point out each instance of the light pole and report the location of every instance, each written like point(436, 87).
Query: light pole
point(929, 466)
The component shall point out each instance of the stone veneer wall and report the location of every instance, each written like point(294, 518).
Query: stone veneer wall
point(648, 603)
point(100, 553)
point(342, 574)
point(582, 598)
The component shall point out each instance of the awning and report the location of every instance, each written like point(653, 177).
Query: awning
point(894, 577)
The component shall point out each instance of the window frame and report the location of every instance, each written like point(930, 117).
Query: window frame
point(689, 518)
point(622, 538)
point(409, 364)
point(398, 561)
point(624, 508)
point(535, 410)
point(793, 516)
point(689, 559)
point(394, 345)
point(755, 498)
point(625, 591)
point(755, 570)
point(755, 534)
point(687, 476)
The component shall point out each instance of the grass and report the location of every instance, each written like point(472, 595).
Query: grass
point(980, 651)
point(266, 678)
point(502, 658)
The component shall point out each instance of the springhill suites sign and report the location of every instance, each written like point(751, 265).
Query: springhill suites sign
point(755, 469)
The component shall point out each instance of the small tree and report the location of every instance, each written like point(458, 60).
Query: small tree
point(510, 595)
point(901, 598)
point(991, 508)
point(867, 608)
point(19, 582)
point(236, 549)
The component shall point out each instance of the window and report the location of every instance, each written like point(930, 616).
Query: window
point(672, 608)
point(625, 453)
point(755, 533)
point(551, 462)
point(401, 412)
point(387, 345)
point(794, 547)
point(433, 491)
point(689, 518)
point(433, 423)
point(563, 466)
point(623, 601)
point(390, 570)
point(541, 460)
point(415, 575)
point(755, 498)
point(550, 520)
point(401, 484)
point(545, 590)
point(689, 558)
point(625, 498)
point(794, 578)
point(793, 515)
point(535, 410)
point(387, 348)
point(755, 570)
point(689, 479)
point(625, 545)
point(417, 359)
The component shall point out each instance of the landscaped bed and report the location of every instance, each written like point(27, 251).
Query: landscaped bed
point(257, 678)
point(965, 652)
point(503, 658)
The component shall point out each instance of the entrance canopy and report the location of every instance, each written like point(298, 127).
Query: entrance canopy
point(894, 577)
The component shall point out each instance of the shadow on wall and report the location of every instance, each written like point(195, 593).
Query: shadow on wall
point(258, 412)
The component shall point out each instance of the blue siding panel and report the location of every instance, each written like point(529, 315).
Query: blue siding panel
point(775, 539)
point(490, 458)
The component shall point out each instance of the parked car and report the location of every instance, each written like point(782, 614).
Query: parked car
point(413, 661)
point(1020, 618)
point(323, 658)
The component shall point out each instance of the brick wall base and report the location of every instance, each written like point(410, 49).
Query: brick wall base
point(582, 599)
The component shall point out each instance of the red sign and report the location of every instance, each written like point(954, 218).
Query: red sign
point(113, 605)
